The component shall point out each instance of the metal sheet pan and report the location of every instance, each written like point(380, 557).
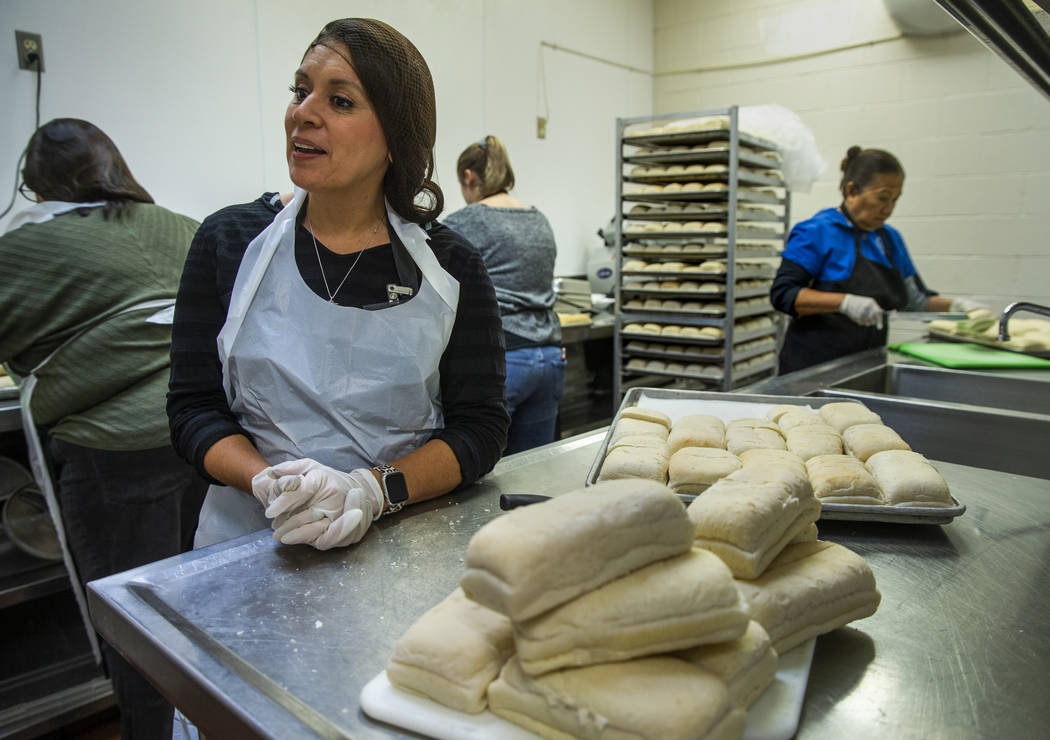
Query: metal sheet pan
point(727, 406)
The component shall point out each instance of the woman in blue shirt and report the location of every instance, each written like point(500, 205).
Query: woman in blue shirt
point(844, 267)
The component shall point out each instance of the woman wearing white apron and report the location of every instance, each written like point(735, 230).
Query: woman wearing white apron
point(333, 360)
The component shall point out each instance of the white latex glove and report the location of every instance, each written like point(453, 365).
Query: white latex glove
point(861, 309)
point(965, 305)
point(329, 509)
point(270, 483)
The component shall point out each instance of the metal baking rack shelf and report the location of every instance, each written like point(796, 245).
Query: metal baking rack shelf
point(693, 192)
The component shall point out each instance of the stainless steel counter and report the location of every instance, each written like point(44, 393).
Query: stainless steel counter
point(252, 638)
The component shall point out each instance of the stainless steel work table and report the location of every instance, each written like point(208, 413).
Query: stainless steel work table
point(252, 638)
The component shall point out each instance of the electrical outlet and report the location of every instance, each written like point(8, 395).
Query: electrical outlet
point(30, 44)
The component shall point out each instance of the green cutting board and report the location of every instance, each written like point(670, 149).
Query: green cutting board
point(959, 354)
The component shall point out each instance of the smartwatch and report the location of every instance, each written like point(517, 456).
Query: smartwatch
point(395, 490)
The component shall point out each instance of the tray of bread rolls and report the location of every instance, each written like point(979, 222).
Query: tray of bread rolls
point(670, 308)
point(696, 370)
point(859, 468)
point(752, 288)
point(708, 247)
point(698, 171)
point(696, 191)
point(696, 353)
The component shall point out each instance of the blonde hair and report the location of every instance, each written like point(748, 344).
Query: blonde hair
point(489, 161)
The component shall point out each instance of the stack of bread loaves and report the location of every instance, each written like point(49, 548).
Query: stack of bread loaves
point(848, 455)
point(601, 614)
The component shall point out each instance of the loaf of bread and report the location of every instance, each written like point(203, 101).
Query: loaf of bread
point(748, 517)
point(908, 479)
point(626, 426)
point(624, 461)
point(740, 439)
point(656, 698)
point(672, 604)
point(696, 430)
point(770, 458)
point(537, 557)
point(798, 416)
point(779, 410)
point(809, 590)
point(452, 653)
point(753, 423)
point(651, 415)
point(864, 440)
point(810, 440)
point(747, 664)
point(843, 479)
point(841, 415)
point(693, 470)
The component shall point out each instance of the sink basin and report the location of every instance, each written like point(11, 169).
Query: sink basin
point(993, 438)
point(954, 386)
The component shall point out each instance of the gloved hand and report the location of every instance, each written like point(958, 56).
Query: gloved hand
point(270, 483)
point(862, 309)
point(328, 509)
point(965, 305)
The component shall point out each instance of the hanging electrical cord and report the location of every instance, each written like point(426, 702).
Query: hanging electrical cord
point(22, 156)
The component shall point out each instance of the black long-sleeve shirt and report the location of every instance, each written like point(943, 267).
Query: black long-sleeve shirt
point(472, 368)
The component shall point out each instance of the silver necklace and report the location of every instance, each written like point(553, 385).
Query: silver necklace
point(332, 293)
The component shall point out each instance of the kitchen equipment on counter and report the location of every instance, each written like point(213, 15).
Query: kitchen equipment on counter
point(970, 352)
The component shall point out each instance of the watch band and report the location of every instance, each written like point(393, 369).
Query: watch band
point(389, 471)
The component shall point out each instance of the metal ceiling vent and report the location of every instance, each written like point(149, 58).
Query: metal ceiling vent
point(921, 18)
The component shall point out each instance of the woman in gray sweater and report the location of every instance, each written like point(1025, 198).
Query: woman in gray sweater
point(517, 244)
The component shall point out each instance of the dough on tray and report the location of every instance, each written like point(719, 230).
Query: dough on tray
point(740, 439)
point(696, 430)
point(747, 664)
point(636, 461)
point(843, 414)
point(452, 653)
point(798, 417)
point(676, 603)
point(843, 479)
point(908, 479)
point(537, 557)
point(864, 440)
point(655, 698)
point(693, 470)
point(772, 458)
point(748, 517)
point(652, 415)
point(627, 426)
point(810, 440)
point(809, 590)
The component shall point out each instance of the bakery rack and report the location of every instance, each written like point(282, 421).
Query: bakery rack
point(701, 206)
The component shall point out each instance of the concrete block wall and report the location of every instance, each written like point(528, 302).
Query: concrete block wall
point(194, 92)
point(973, 136)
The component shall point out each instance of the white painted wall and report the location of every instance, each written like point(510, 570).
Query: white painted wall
point(973, 136)
point(193, 92)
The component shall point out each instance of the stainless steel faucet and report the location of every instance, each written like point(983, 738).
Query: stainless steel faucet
point(1004, 335)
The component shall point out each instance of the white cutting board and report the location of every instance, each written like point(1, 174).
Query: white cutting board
point(774, 716)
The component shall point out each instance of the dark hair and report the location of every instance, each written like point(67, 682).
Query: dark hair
point(72, 160)
point(489, 161)
point(860, 165)
point(398, 84)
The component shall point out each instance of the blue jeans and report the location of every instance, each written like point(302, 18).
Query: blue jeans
point(535, 382)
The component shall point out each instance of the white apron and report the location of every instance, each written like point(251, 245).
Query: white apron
point(35, 447)
point(39, 213)
point(345, 386)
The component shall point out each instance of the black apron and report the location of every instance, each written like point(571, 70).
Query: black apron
point(818, 338)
